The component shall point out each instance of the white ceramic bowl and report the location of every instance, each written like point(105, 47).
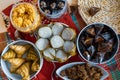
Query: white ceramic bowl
point(58, 71)
point(6, 66)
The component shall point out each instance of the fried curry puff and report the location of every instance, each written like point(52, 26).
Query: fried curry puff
point(23, 60)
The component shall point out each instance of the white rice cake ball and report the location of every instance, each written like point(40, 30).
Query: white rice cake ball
point(42, 44)
point(61, 56)
point(56, 42)
point(45, 32)
point(50, 25)
point(49, 53)
point(68, 34)
point(68, 46)
point(57, 28)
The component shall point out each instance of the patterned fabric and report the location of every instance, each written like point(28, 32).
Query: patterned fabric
point(3, 41)
point(48, 70)
point(2, 75)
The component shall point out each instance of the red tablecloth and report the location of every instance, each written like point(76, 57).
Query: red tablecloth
point(49, 68)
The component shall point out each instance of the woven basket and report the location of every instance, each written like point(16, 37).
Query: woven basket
point(109, 12)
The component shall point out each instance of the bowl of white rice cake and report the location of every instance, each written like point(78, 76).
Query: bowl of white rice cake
point(56, 42)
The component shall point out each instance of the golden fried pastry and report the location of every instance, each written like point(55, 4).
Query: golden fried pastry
point(20, 49)
point(25, 17)
point(35, 66)
point(24, 71)
point(9, 54)
point(23, 60)
point(15, 63)
point(31, 54)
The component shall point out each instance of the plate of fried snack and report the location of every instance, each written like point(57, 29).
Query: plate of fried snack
point(25, 17)
point(81, 71)
point(56, 42)
point(21, 60)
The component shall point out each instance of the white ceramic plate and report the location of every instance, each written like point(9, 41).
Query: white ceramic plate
point(105, 73)
point(6, 66)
